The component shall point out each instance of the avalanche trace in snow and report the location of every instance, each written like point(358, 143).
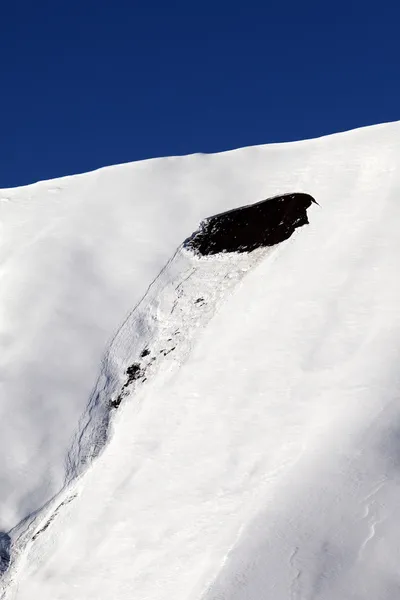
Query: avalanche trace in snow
point(159, 333)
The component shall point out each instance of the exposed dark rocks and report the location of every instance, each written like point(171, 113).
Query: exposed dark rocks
point(244, 229)
point(115, 402)
point(165, 352)
point(52, 517)
point(45, 526)
point(5, 550)
point(134, 372)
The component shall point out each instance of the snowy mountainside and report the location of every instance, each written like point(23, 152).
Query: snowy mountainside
point(76, 255)
point(260, 458)
point(179, 304)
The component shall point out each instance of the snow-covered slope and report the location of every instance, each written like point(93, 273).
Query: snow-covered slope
point(259, 457)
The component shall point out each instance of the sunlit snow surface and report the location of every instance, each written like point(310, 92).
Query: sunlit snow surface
point(261, 456)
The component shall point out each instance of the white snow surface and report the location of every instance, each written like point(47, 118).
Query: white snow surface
point(258, 456)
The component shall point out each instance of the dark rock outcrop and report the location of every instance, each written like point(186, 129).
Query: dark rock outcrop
point(5, 548)
point(244, 229)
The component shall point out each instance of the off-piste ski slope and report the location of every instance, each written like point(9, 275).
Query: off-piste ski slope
point(253, 449)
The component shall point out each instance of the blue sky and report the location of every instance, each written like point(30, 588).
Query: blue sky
point(88, 83)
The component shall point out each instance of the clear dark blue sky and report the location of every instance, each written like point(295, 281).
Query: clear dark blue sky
point(88, 83)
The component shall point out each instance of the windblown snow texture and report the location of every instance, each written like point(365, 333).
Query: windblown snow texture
point(244, 229)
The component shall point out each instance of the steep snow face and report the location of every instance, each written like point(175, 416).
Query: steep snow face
point(157, 338)
point(261, 459)
point(76, 255)
point(179, 304)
